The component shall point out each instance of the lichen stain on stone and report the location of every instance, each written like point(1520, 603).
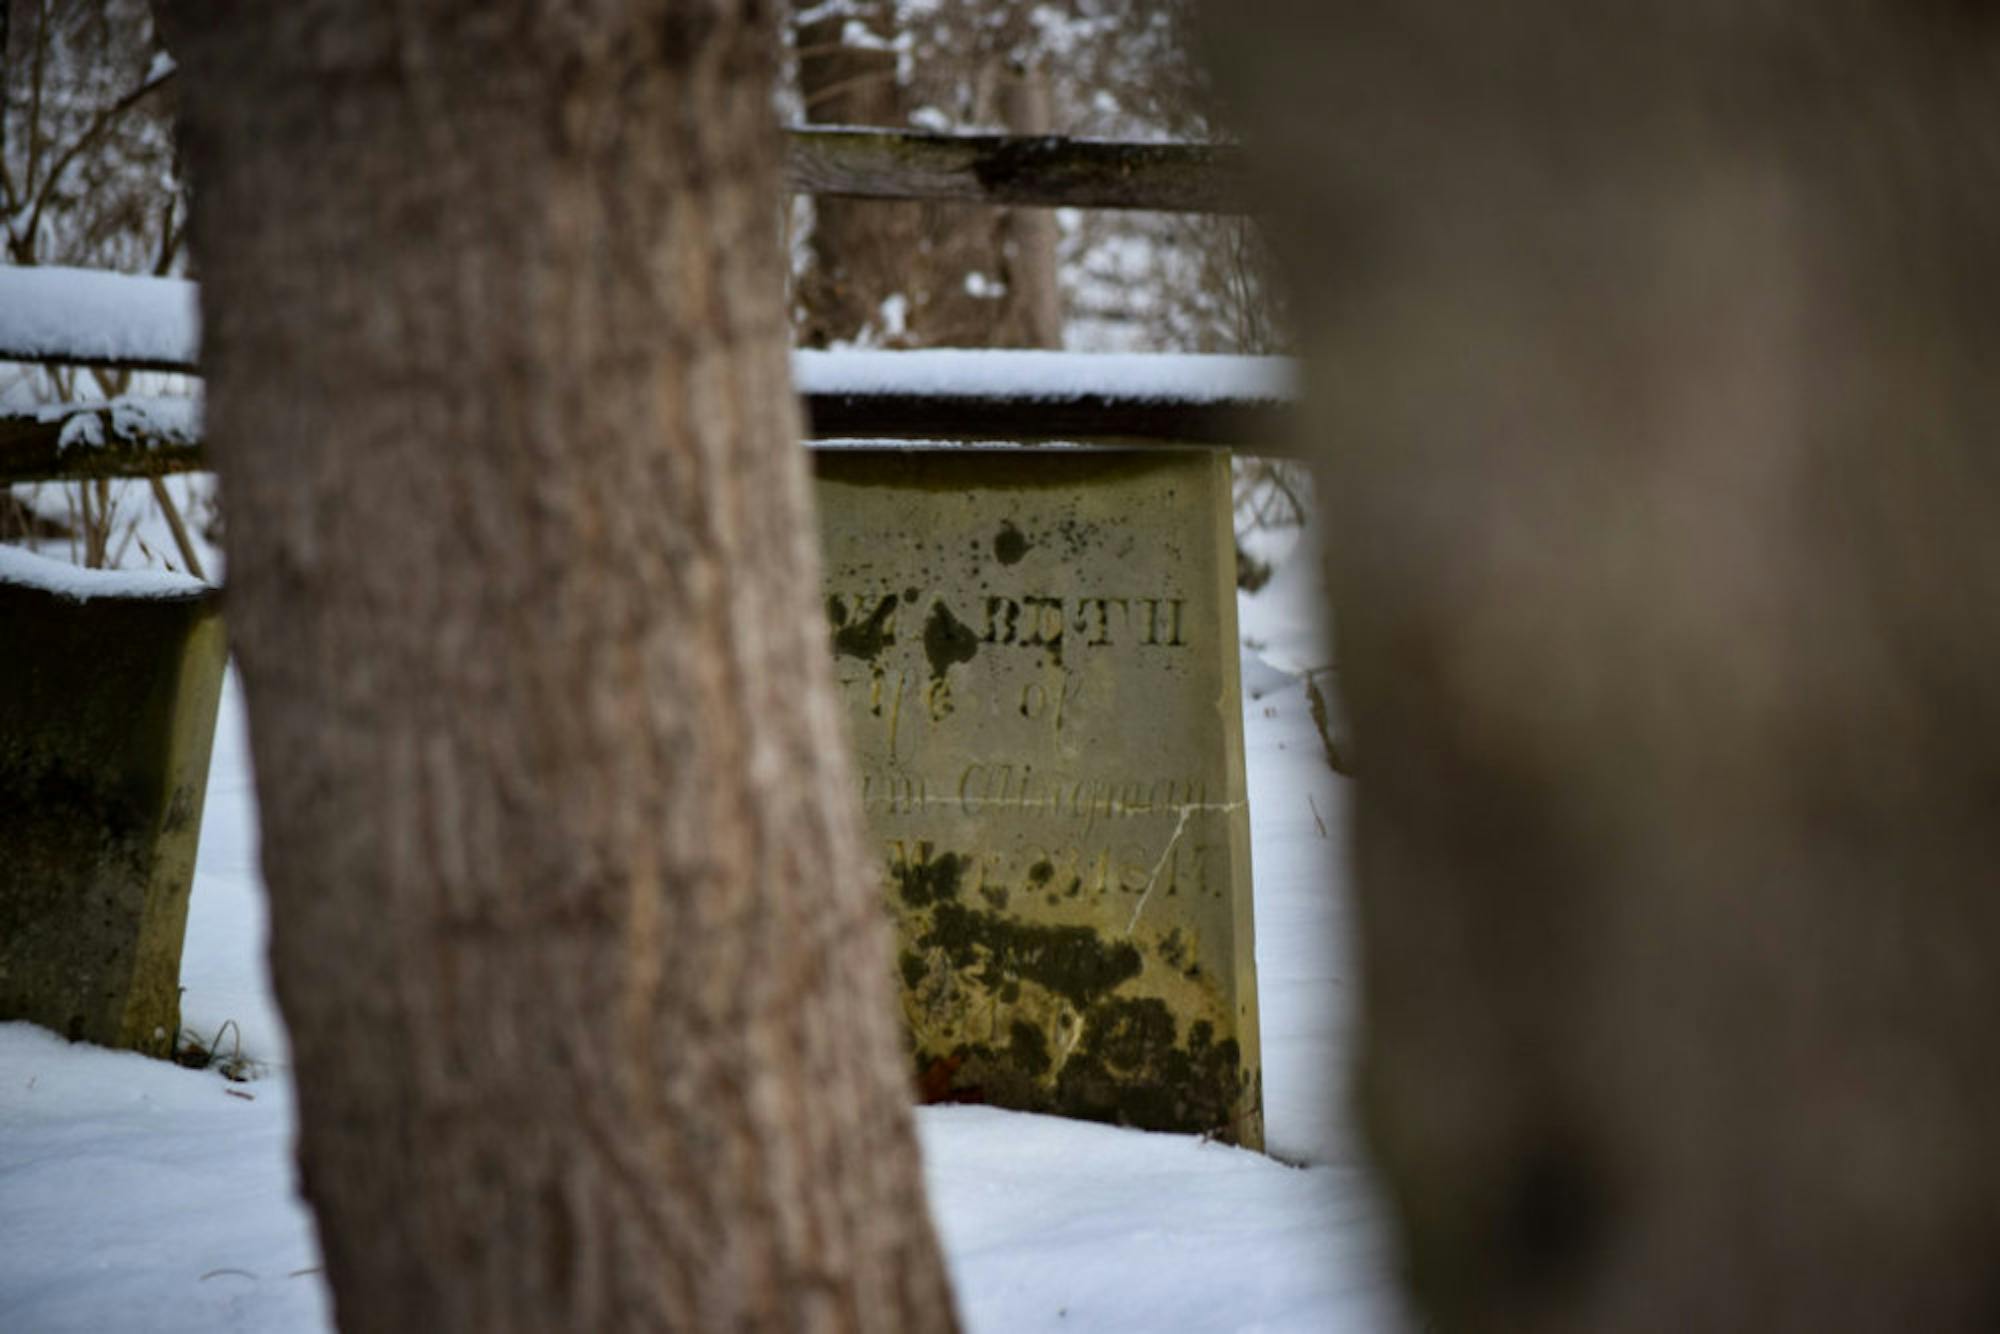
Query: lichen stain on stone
point(1178, 951)
point(1073, 962)
point(863, 639)
point(1130, 1069)
point(1010, 545)
point(947, 640)
point(929, 880)
point(1080, 537)
point(181, 808)
point(1028, 1048)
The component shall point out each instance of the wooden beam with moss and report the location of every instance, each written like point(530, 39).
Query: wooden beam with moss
point(125, 437)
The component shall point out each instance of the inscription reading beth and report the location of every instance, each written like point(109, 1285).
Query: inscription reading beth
point(1037, 654)
point(865, 623)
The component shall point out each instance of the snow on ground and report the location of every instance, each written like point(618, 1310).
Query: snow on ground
point(136, 1195)
point(224, 976)
point(1064, 1225)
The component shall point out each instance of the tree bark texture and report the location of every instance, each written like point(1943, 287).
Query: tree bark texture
point(969, 275)
point(573, 927)
point(1656, 344)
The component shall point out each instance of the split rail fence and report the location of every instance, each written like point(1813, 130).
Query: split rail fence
point(1015, 397)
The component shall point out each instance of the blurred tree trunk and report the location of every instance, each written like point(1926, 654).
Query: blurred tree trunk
point(1654, 356)
point(573, 927)
point(964, 275)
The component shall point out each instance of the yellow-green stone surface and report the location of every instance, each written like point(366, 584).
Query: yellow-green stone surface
point(1038, 652)
point(107, 711)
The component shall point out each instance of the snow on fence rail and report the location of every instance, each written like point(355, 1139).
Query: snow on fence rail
point(133, 435)
point(89, 317)
point(83, 317)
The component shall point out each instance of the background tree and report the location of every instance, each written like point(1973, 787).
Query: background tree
point(573, 927)
point(971, 276)
point(923, 274)
point(1654, 351)
point(89, 176)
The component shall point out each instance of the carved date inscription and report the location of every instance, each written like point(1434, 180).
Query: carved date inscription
point(1038, 655)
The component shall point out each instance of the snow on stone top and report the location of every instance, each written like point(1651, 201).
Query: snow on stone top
point(60, 314)
point(24, 568)
point(1047, 376)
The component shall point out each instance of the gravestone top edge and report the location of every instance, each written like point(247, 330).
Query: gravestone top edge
point(24, 569)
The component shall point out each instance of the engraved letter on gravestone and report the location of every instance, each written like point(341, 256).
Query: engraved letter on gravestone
point(1038, 654)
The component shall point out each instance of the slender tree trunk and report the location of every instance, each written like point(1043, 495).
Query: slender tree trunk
point(1655, 352)
point(572, 924)
point(965, 275)
point(1028, 236)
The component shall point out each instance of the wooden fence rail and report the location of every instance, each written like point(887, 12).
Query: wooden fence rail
point(1047, 170)
point(120, 322)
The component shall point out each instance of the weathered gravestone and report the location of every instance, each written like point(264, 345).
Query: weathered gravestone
point(108, 692)
point(1038, 651)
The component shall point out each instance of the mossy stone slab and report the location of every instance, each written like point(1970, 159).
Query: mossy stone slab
point(107, 713)
point(1038, 653)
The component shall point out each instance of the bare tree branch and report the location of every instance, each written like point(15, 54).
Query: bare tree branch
point(35, 93)
point(171, 512)
point(99, 123)
point(6, 180)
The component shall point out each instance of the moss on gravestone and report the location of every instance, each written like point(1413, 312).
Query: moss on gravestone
point(107, 712)
point(1038, 654)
